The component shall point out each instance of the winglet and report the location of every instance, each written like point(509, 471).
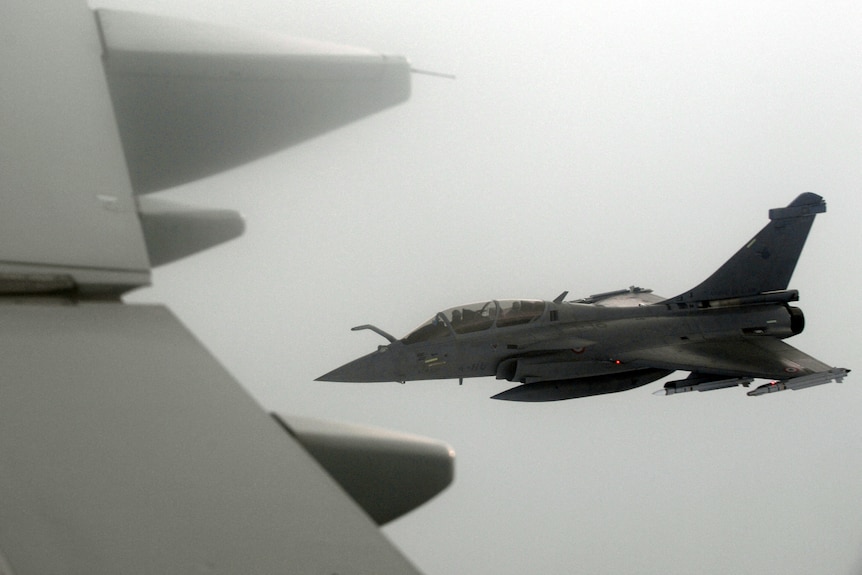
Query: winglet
point(767, 261)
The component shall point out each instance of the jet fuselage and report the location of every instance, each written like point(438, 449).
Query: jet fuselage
point(566, 340)
point(726, 331)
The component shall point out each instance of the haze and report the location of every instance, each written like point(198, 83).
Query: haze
point(583, 147)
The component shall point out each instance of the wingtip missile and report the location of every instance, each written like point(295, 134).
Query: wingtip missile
point(835, 374)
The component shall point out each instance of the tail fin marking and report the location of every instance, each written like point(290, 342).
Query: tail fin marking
point(765, 263)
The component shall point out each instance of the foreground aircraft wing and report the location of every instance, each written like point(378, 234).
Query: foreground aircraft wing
point(763, 357)
point(193, 99)
point(125, 446)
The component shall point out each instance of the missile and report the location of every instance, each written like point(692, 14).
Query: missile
point(833, 374)
point(704, 383)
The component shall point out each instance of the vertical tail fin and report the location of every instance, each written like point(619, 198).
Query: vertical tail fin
point(766, 262)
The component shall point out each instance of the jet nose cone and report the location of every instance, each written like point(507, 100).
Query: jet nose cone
point(348, 372)
point(372, 367)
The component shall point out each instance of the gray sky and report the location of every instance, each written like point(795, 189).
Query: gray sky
point(584, 147)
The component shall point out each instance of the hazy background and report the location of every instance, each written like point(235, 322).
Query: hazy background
point(587, 147)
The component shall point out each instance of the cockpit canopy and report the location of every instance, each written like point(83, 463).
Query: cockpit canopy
point(477, 317)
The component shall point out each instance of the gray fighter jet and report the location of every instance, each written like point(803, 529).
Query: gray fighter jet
point(726, 331)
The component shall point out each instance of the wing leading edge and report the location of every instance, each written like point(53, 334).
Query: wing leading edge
point(193, 99)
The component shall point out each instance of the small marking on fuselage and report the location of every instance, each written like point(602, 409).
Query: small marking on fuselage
point(478, 366)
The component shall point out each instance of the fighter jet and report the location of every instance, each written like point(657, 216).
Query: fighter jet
point(726, 331)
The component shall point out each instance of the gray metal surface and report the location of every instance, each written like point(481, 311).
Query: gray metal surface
point(388, 473)
point(126, 448)
point(193, 99)
point(67, 206)
point(173, 231)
